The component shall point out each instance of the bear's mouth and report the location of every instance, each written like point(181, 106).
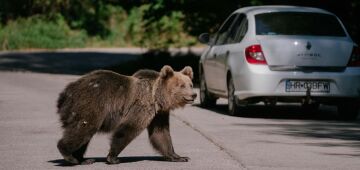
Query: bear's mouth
point(188, 100)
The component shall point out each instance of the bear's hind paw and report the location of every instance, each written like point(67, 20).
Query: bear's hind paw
point(178, 159)
point(112, 160)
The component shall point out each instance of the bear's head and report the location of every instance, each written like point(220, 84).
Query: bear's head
point(174, 89)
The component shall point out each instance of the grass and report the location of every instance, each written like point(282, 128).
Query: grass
point(38, 32)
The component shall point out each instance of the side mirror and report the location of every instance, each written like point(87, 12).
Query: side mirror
point(204, 38)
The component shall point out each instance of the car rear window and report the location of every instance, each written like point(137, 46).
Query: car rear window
point(298, 23)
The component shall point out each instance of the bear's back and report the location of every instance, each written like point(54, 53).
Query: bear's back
point(94, 95)
point(147, 74)
point(102, 85)
point(103, 95)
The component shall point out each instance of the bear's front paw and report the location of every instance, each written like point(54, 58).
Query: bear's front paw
point(71, 160)
point(88, 161)
point(178, 159)
point(112, 160)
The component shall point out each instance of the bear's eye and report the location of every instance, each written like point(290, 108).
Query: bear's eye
point(182, 85)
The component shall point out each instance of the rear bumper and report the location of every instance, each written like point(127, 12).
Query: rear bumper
point(260, 81)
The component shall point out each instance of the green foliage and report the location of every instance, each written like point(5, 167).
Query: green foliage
point(116, 27)
point(167, 32)
point(37, 32)
point(90, 15)
point(133, 29)
point(155, 24)
point(134, 25)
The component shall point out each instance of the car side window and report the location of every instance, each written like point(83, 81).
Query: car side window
point(224, 30)
point(235, 29)
point(241, 32)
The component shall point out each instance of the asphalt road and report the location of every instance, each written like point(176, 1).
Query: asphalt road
point(283, 137)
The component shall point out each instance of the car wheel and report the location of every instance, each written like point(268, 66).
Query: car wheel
point(348, 111)
point(205, 99)
point(233, 109)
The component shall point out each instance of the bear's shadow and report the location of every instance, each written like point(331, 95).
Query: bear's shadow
point(129, 159)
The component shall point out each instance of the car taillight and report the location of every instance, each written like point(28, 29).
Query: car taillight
point(355, 58)
point(255, 55)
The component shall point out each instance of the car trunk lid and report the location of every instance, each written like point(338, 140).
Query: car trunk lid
point(303, 39)
point(306, 51)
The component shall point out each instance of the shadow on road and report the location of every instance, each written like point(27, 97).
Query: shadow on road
point(330, 134)
point(78, 63)
point(284, 112)
point(62, 162)
point(62, 62)
point(292, 120)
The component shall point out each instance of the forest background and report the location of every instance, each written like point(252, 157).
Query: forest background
point(152, 24)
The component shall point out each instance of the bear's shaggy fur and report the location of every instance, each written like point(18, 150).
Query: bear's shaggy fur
point(104, 101)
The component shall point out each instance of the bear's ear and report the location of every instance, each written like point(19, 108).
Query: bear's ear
point(166, 72)
point(188, 72)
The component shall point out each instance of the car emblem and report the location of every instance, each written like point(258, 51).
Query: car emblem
point(308, 45)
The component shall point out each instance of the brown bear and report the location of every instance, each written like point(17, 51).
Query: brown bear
point(105, 101)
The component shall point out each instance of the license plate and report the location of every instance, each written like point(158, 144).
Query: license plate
point(303, 86)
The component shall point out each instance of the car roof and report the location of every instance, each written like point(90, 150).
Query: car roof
point(279, 8)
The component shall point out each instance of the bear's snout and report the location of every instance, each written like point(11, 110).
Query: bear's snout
point(194, 96)
point(189, 99)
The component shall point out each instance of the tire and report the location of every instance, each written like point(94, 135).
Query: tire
point(348, 111)
point(206, 100)
point(233, 109)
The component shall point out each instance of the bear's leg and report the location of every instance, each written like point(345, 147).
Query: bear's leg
point(79, 155)
point(66, 149)
point(74, 143)
point(159, 135)
point(123, 135)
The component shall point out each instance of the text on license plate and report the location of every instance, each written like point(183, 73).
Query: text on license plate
point(304, 85)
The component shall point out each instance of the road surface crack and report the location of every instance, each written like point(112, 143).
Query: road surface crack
point(217, 144)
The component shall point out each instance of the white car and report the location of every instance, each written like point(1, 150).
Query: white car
point(276, 54)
